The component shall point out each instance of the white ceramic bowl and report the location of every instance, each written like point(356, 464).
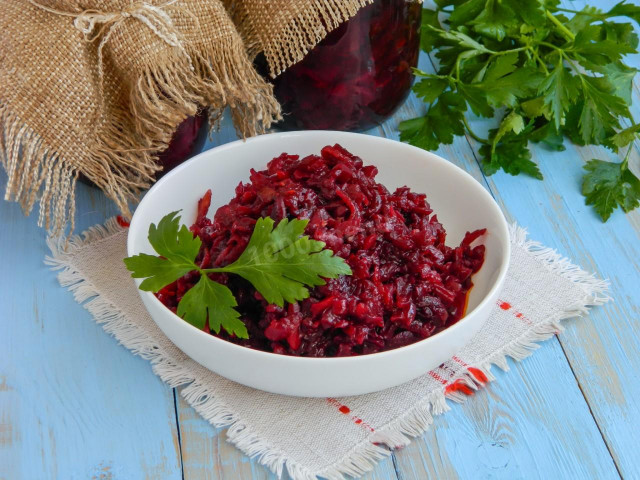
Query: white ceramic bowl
point(460, 202)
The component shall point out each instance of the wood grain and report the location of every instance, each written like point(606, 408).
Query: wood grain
point(73, 403)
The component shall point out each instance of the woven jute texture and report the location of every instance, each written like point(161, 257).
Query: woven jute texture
point(97, 88)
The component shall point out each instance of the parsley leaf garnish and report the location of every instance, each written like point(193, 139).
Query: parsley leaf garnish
point(281, 263)
point(177, 248)
point(544, 73)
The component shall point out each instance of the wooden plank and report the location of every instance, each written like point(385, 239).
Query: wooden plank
point(73, 404)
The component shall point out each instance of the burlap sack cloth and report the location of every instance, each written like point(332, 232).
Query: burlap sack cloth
point(96, 88)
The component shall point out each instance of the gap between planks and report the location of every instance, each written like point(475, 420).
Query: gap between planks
point(175, 413)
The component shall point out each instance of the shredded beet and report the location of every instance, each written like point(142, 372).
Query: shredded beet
point(406, 285)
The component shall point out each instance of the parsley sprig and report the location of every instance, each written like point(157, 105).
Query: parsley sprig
point(543, 75)
point(281, 263)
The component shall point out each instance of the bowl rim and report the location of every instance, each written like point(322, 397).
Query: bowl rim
point(497, 284)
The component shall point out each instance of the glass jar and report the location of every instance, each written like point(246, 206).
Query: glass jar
point(358, 75)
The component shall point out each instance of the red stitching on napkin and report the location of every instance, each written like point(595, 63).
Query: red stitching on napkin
point(459, 361)
point(519, 315)
point(437, 377)
point(346, 411)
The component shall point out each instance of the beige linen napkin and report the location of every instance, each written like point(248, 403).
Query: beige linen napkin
point(335, 436)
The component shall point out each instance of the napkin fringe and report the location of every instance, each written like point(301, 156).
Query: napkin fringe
point(363, 457)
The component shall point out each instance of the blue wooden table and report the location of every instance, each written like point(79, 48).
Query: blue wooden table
point(76, 405)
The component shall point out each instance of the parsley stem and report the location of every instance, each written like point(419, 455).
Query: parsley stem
point(568, 34)
point(625, 162)
point(570, 62)
point(505, 52)
point(472, 134)
point(216, 270)
point(540, 61)
point(551, 45)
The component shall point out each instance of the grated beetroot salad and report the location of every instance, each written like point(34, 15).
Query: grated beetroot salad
point(406, 285)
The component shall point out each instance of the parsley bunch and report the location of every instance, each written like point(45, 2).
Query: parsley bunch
point(543, 75)
point(280, 263)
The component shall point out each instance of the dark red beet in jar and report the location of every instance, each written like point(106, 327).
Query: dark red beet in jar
point(358, 75)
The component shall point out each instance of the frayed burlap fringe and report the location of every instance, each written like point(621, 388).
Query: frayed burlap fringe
point(133, 90)
point(32, 167)
point(363, 457)
point(166, 94)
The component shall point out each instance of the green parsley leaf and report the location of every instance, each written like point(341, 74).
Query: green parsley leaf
point(559, 90)
point(626, 136)
point(535, 108)
point(549, 137)
point(476, 99)
point(280, 263)
point(531, 11)
point(582, 19)
point(178, 249)
point(590, 45)
point(621, 78)
point(599, 117)
point(511, 123)
point(466, 12)
point(465, 41)
point(609, 185)
point(439, 125)
point(505, 91)
point(510, 153)
point(501, 66)
point(555, 74)
point(494, 20)
point(429, 88)
point(624, 9)
point(429, 36)
point(212, 300)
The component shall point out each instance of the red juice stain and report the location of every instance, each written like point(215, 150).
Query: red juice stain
point(122, 222)
point(358, 421)
point(504, 305)
point(344, 409)
point(518, 315)
point(478, 374)
point(458, 386)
